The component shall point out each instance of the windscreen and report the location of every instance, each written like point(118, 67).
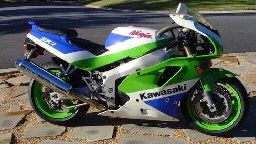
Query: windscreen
point(198, 17)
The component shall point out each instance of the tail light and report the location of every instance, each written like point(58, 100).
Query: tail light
point(32, 51)
point(199, 69)
point(204, 65)
point(27, 47)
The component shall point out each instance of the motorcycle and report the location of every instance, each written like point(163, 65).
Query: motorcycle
point(140, 73)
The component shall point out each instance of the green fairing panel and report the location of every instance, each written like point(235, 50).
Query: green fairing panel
point(147, 78)
point(219, 73)
point(218, 50)
point(99, 61)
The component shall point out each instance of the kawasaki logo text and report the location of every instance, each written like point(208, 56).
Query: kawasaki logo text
point(179, 88)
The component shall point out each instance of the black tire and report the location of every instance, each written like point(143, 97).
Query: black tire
point(228, 129)
point(67, 121)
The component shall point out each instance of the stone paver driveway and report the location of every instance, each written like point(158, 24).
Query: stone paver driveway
point(19, 124)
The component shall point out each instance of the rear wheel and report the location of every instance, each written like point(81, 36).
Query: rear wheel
point(47, 104)
point(231, 102)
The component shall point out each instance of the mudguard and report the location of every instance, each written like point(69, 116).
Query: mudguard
point(213, 75)
point(219, 73)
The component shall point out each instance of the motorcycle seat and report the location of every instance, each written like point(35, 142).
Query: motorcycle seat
point(92, 47)
point(58, 31)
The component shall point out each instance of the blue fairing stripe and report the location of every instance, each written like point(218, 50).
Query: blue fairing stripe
point(167, 105)
point(114, 38)
point(61, 45)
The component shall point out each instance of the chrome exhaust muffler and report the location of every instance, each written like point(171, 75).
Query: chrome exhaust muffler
point(49, 80)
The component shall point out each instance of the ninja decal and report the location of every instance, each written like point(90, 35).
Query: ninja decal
point(141, 34)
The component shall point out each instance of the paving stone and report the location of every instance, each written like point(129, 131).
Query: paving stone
point(14, 91)
point(5, 138)
point(8, 71)
point(132, 139)
point(8, 120)
point(14, 108)
point(1, 80)
point(93, 133)
point(249, 87)
point(149, 129)
point(243, 69)
point(216, 62)
point(39, 119)
point(229, 59)
point(196, 136)
point(250, 78)
point(19, 80)
point(40, 130)
point(1, 100)
point(249, 59)
point(54, 142)
point(22, 97)
point(3, 86)
point(23, 100)
point(253, 93)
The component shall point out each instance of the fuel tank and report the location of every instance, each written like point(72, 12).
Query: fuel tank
point(124, 38)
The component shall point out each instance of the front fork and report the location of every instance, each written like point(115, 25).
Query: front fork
point(207, 84)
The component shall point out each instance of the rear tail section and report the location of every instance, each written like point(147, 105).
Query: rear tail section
point(57, 42)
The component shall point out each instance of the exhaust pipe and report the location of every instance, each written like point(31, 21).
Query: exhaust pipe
point(49, 80)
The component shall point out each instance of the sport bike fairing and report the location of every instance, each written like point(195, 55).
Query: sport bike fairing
point(155, 104)
point(190, 19)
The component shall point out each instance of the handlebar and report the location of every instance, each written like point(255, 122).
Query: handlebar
point(166, 29)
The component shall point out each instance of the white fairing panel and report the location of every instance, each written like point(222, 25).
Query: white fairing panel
point(123, 38)
point(190, 23)
point(138, 108)
point(182, 18)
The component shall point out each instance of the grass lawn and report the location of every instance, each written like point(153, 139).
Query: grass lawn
point(172, 4)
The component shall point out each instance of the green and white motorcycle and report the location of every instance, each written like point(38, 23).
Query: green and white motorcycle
point(140, 73)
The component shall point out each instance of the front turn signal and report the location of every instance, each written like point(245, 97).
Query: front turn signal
point(199, 69)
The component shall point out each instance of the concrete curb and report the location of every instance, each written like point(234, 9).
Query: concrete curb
point(203, 12)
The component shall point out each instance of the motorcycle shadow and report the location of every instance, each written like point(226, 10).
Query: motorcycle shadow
point(92, 119)
point(247, 128)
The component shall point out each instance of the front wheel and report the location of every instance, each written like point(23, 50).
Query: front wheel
point(231, 103)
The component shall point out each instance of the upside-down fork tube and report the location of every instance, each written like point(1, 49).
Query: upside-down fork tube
point(49, 80)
